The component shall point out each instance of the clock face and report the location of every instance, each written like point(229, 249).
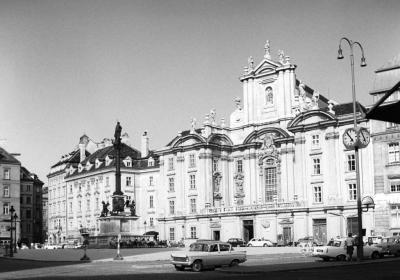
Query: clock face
point(364, 137)
point(350, 138)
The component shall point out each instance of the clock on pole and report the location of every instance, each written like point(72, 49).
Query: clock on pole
point(350, 138)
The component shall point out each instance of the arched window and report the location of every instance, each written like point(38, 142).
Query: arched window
point(269, 96)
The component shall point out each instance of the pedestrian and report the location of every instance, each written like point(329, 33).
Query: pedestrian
point(349, 244)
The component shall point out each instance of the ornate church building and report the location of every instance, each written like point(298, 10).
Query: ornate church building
point(279, 171)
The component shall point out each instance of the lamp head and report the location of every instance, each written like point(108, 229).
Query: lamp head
point(363, 63)
point(340, 53)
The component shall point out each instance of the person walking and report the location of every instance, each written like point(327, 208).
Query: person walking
point(349, 244)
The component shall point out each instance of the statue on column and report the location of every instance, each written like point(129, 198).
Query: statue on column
point(131, 206)
point(117, 134)
point(267, 48)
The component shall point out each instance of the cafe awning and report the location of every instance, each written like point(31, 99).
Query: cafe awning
point(388, 112)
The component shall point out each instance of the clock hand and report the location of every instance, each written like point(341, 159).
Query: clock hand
point(348, 134)
point(362, 134)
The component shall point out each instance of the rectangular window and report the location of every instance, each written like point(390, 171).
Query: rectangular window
point(171, 181)
point(395, 215)
point(28, 188)
point(316, 166)
point(171, 233)
point(107, 181)
point(6, 191)
point(70, 189)
point(193, 205)
point(315, 141)
point(171, 164)
point(7, 175)
point(239, 166)
point(151, 201)
point(395, 186)
point(70, 207)
point(192, 161)
point(28, 228)
point(151, 181)
point(270, 184)
point(192, 178)
point(80, 206)
point(97, 203)
point(352, 192)
point(394, 152)
point(128, 164)
point(193, 232)
point(28, 200)
point(317, 194)
point(6, 208)
point(151, 221)
point(128, 181)
point(28, 214)
point(171, 207)
point(351, 162)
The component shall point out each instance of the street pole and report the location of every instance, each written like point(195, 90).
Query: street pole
point(12, 210)
point(356, 152)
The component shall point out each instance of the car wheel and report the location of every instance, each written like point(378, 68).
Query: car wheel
point(249, 245)
point(234, 263)
point(326, 259)
point(179, 268)
point(341, 258)
point(375, 255)
point(197, 266)
point(265, 245)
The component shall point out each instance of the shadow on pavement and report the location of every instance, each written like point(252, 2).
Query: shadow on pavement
point(8, 264)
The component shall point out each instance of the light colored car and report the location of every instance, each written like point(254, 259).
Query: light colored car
point(260, 242)
point(390, 246)
point(336, 250)
point(207, 254)
point(52, 246)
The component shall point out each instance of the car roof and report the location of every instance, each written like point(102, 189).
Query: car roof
point(211, 242)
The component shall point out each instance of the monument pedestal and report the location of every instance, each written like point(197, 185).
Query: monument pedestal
point(112, 226)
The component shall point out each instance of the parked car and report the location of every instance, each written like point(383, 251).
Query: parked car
point(52, 246)
point(337, 250)
point(237, 242)
point(207, 254)
point(24, 246)
point(308, 240)
point(390, 246)
point(260, 242)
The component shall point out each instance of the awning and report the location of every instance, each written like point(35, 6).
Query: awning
point(389, 112)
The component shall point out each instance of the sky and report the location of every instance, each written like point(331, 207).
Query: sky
point(74, 67)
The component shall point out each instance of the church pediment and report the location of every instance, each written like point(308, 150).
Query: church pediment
point(266, 67)
point(189, 140)
point(311, 118)
point(266, 133)
point(220, 139)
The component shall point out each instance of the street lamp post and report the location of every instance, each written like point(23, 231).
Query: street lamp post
point(145, 224)
point(12, 210)
point(15, 216)
point(356, 147)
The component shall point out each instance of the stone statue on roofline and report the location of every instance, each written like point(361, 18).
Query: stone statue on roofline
point(250, 61)
point(267, 49)
point(193, 125)
point(281, 56)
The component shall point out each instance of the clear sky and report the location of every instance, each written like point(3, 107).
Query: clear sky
point(74, 67)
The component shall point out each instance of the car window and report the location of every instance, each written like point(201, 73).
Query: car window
point(198, 247)
point(224, 247)
point(337, 243)
point(214, 248)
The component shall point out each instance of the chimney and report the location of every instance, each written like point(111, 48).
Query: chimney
point(144, 145)
point(125, 139)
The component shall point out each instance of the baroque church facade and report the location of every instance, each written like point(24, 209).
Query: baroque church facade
point(280, 171)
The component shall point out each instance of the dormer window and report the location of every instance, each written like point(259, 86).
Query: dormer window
point(315, 141)
point(97, 163)
point(80, 167)
point(150, 162)
point(128, 162)
point(269, 96)
point(88, 165)
point(108, 160)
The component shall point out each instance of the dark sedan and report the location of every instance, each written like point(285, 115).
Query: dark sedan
point(237, 242)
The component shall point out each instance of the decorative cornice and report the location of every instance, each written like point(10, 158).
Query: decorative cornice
point(250, 156)
point(205, 156)
point(180, 158)
point(287, 150)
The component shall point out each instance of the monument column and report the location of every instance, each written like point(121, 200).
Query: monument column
point(118, 195)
